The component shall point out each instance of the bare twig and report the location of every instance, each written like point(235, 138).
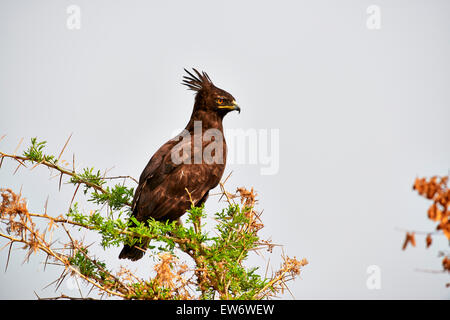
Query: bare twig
point(120, 177)
point(50, 165)
point(65, 145)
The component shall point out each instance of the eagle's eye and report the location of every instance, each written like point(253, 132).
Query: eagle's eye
point(220, 100)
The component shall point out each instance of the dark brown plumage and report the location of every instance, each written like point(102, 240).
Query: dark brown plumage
point(161, 193)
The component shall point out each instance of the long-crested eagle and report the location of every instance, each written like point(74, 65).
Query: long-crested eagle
point(187, 167)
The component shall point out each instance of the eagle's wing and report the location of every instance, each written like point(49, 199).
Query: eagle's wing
point(151, 168)
point(161, 193)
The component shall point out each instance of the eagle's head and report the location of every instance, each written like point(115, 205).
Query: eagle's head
point(209, 97)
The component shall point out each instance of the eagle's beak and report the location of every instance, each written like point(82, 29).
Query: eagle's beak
point(236, 107)
point(232, 107)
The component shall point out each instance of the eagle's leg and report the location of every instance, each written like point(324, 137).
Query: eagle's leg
point(198, 204)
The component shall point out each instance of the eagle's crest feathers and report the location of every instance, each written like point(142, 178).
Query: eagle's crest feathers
point(197, 82)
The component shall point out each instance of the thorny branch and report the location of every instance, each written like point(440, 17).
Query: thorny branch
point(22, 159)
point(170, 280)
point(218, 269)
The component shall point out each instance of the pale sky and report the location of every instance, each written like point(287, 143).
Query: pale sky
point(358, 112)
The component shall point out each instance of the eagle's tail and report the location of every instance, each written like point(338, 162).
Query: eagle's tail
point(132, 252)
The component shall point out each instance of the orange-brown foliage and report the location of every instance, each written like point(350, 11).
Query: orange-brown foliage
point(435, 189)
